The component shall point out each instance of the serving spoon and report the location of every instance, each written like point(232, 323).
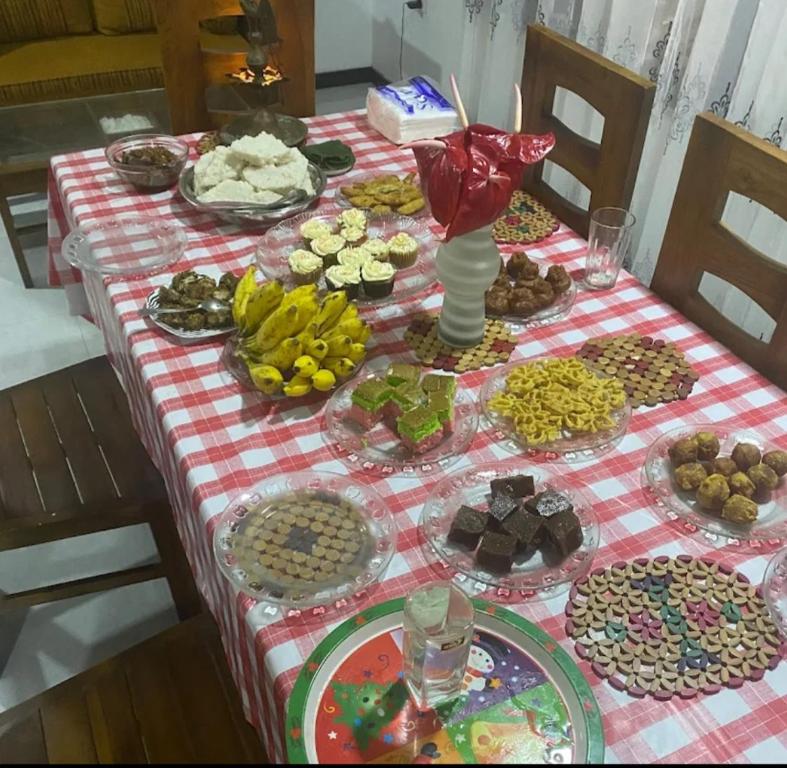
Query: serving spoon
point(208, 305)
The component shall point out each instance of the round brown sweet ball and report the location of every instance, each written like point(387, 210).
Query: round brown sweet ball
point(777, 461)
point(739, 509)
point(724, 465)
point(707, 446)
point(497, 301)
point(740, 483)
point(683, 451)
point(763, 477)
point(689, 476)
point(713, 492)
point(746, 455)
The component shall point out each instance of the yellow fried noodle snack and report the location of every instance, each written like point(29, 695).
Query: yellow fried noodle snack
point(547, 398)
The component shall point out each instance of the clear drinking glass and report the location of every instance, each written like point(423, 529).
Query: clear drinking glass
point(438, 632)
point(608, 241)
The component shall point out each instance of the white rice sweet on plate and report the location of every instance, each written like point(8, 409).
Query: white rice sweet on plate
point(262, 169)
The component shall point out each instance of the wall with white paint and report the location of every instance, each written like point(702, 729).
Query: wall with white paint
point(342, 34)
point(432, 39)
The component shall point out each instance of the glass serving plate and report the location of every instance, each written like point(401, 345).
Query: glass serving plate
point(251, 213)
point(358, 178)
point(379, 451)
point(306, 519)
point(571, 447)
point(470, 486)
point(774, 590)
point(125, 246)
point(556, 311)
point(238, 370)
point(280, 241)
point(771, 522)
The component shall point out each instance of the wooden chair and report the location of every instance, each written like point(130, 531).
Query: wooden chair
point(722, 158)
point(188, 69)
point(608, 169)
point(170, 699)
point(71, 464)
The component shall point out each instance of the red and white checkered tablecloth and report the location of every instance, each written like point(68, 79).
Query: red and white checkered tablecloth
point(211, 440)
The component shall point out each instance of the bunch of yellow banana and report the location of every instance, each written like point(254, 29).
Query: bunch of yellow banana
point(293, 342)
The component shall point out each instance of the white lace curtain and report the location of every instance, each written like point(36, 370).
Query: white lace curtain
point(727, 56)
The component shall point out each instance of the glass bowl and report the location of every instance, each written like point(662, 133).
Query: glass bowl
point(305, 519)
point(571, 447)
point(378, 450)
point(774, 590)
point(674, 504)
point(148, 178)
point(470, 486)
point(280, 241)
point(126, 245)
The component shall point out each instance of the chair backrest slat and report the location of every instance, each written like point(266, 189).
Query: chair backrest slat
point(723, 158)
point(608, 168)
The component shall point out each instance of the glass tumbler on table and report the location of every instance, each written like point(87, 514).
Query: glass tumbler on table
point(608, 241)
point(438, 632)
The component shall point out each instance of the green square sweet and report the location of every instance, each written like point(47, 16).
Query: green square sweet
point(435, 382)
point(371, 395)
point(418, 423)
point(442, 405)
point(403, 373)
point(408, 395)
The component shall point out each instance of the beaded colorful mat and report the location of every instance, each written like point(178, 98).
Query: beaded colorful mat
point(421, 337)
point(525, 221)
point(208, 142)
point(672, 627)
point(653, 371)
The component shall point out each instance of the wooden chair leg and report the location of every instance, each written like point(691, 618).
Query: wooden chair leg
point(13, 237)
point(185, 594)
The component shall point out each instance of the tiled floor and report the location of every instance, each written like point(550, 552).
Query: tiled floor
point(51, 643)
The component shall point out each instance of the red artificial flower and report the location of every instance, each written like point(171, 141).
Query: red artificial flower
point(470, 179)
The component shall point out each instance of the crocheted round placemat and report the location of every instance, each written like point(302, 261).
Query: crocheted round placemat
point(652, 371)
point(672, 627)
point(524, 222)
point(421, 337)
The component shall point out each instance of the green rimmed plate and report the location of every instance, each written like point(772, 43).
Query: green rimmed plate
point(523, 701)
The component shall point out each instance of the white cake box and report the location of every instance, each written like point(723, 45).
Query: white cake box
point(409, 110)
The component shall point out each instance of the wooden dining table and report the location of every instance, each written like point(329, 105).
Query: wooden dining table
point(211, 439)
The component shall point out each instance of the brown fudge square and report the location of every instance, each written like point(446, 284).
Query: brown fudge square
point(467, 527)
point(496, 552)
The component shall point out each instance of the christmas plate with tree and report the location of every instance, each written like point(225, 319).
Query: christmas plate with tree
point(523, 700)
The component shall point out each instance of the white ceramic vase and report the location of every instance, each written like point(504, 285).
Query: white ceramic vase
point(467, 265)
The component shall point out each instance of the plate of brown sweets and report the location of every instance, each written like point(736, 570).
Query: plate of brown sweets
point(511, 526)
point(531, 293)
point(723, 480)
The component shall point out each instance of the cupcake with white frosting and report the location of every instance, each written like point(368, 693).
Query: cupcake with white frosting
point(353, 257)
point(314, 229)
point(352, 217)
point(304, 266)
point(378, 279)
point(378, 249)
point(341, 277)
point(354, 236)
point(402, 250)
point(327, 248)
